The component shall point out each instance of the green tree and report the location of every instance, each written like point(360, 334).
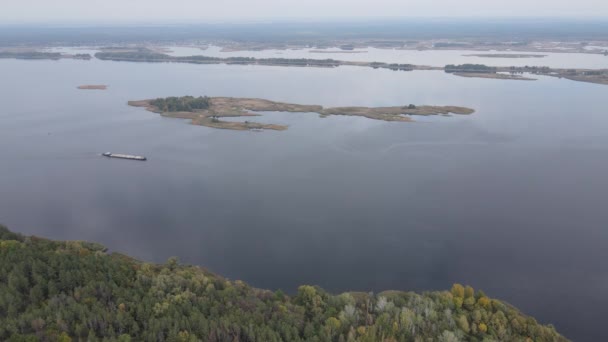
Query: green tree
point(64, 338)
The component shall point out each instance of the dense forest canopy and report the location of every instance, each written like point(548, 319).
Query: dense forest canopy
point(181, 104)
point(75, 291)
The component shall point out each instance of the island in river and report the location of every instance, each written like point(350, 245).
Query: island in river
point(207, 111)
point(93, 87)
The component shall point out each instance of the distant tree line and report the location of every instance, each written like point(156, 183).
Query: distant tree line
point(141, 55)
point(146, 55)
point(475, 68)
point(30, 55)
point(85, 56)
point(451, 45)
point(392, 66)
point(532, 69)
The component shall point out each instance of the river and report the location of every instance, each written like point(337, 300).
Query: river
point(511, 199)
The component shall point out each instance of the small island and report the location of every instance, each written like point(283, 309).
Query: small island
point(93, 87)
point(207, 111)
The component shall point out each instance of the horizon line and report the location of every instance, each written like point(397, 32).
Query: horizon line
point(283, 20)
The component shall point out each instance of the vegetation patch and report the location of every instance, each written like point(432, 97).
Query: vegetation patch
point(17, 53)
point(30, 55)
point(473, 68)
point(181, 104)
point(74, 291)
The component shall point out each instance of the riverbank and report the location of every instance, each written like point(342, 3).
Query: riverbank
point(128, 299)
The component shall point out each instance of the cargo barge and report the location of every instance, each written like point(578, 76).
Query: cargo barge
point(124, 156)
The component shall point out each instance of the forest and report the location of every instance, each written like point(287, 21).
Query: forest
point(181, 104)
point(76, 291)
point(476, 68)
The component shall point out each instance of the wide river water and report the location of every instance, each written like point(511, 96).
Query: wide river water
point(511, 200)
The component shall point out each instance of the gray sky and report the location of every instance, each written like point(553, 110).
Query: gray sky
point(82, 11)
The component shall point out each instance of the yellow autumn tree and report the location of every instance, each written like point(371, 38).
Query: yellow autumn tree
point(457, 302)
point(332, 324)
point(463, 324)
point(457, 291)
point(64, 338)
point(484, 302)
point(469, 292)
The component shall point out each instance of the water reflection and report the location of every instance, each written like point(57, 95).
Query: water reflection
point(510, 199)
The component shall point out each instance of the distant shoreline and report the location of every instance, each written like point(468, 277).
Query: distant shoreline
point(138, 54)
point(505, 55)
point(598, 76)
point(334, 51)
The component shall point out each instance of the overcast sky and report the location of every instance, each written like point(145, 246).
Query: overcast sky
point(82, 11)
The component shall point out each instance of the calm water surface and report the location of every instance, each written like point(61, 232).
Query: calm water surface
point(511, 199)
